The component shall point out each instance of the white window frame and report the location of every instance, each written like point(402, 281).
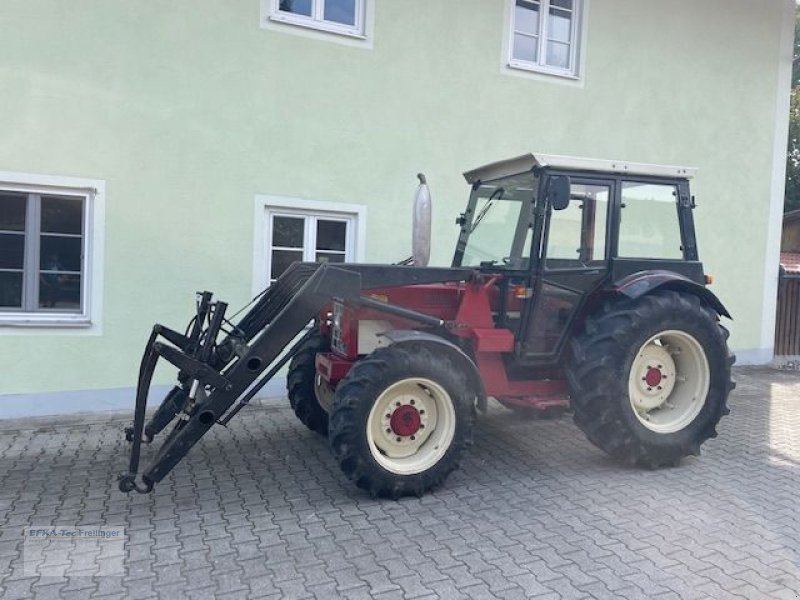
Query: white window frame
point(576, 42)
point(317, 19)
point(88, 320)
point(266, 207)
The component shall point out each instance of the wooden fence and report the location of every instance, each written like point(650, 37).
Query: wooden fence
point(787, 326)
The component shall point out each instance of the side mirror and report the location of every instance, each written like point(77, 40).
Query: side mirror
point(558, 189)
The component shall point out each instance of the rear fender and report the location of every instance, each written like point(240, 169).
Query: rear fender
point(440, 345)
point(640, 284)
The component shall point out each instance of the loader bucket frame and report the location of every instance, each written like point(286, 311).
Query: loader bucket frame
point(213, 375)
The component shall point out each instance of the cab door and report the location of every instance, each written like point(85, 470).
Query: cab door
point(572, 262)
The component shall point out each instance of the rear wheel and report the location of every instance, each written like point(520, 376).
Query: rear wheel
point(649, 378)
point(301, 387)
point(400, 420)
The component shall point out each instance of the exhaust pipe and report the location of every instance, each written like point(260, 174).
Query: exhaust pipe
point(421, 227)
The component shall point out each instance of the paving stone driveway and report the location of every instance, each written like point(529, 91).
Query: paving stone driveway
point(261, 511)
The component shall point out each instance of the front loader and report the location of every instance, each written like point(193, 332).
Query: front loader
point(575, 284)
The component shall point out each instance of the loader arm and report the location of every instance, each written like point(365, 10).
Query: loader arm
point(214, 375)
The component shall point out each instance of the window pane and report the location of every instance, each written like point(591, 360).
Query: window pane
point(297, 7)
point(10, 290)
point(551, 317)
point(341, 11)
point(12, 250)
point(558, 55)
point(12, 212)
point(525, 48)
point(331, 235)
point(60, 253)
point(583, 222)
point(564, 233)
point(649, 223)
point(330, 257)
point(598, 241)
point(288, 232)
point(559, 25)
point(62, 215)
point(562, 3)
point(526, 17)
point(282, 259)
point(60, 290)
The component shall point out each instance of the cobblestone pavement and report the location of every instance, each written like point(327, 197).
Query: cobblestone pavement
point(261, 511)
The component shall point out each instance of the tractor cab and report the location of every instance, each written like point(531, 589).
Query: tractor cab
point(560, 230)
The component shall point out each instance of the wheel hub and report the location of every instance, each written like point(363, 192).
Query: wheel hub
point(405, 420)
point(669, 381)
point(654, 373)
point(653, 377)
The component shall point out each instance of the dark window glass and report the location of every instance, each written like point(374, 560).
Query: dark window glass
point(331, 235)
point(296, 7)
point(526, 47)
point(60, 253)
point(526, 17)
point(281, 259)
point(12, 250)
point(330, 257)
point(12, 212)
point(558, 55)
point(288, 232)
point(562, 4)
point(60, 291)
point(340, 11)
point(551, 318)
point(10, 289)
point(62, 215)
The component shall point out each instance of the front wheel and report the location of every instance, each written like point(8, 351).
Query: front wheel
point(303, 386)
point(649, 378)
point(400, 420)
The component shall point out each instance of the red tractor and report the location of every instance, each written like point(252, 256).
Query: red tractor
point(575, 284)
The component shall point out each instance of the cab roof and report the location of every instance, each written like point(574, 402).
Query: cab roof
point(526, 162)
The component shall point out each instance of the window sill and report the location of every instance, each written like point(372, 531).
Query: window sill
point(322, 27)
point(539, 70)
point(25, 321)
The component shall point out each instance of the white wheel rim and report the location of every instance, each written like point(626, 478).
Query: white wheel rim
point(411, 426)
point(669, 381)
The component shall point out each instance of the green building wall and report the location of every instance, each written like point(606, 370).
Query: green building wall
point(188, 110)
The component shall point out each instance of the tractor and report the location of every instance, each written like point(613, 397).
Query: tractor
point(575, 285)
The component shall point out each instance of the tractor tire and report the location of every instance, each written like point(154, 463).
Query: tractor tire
point(649, 378)
point(300, 385)
point(401, 420)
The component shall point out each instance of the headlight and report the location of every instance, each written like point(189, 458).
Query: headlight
point(337, 343)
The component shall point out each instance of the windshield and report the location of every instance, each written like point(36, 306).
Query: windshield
point(496, 230)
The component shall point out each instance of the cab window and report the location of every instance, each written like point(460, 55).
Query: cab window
point(649, 221)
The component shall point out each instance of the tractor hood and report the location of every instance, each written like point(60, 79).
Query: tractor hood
point(526, 162)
